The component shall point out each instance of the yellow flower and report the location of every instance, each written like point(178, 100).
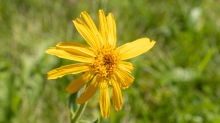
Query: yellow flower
point(102, 61)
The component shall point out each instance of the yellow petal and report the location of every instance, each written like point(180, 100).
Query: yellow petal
point(87, 34)
point(135, 48)
point(69, 55)
point(127, 66)
point(79, 82)
point(103, 27)
point(116, 95)
point(104, 100)
point(123, 78)
point(111, 29)
point(89, 22)
point(90, 90)
point(77, 48)
point(68, 69)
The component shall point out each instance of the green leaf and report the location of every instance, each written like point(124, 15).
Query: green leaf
point(84, 121)
point(96, 120)
point(204, 62)
point(72, 104)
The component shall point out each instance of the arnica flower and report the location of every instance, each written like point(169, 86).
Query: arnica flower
point(101, 62)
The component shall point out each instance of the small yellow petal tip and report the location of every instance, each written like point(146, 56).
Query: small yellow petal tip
point(101, 10)
point(59, 44)
point(106, 116)
point(82, 13)
point(79, 102)
point(75, 21)
point(67, 89)
point(110, 14)
point(47, 51)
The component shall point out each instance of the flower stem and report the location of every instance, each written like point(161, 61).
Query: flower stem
point(79, 112)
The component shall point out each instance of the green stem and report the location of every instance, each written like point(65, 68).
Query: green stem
point(79, 112)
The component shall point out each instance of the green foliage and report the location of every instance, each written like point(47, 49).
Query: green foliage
point(72, 104)
point(177, 81)
point(96, 120)
point(84, 121)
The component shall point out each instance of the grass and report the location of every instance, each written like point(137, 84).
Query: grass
point(177, 81)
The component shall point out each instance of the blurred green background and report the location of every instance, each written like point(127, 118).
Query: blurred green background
point(177, 81)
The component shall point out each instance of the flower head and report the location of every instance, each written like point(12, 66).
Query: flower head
point(102, 62)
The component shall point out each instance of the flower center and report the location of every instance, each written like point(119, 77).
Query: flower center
point(106, 61)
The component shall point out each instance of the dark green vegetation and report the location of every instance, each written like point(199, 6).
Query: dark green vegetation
point(177, 81)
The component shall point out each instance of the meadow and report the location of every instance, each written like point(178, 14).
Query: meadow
point(177, 81)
